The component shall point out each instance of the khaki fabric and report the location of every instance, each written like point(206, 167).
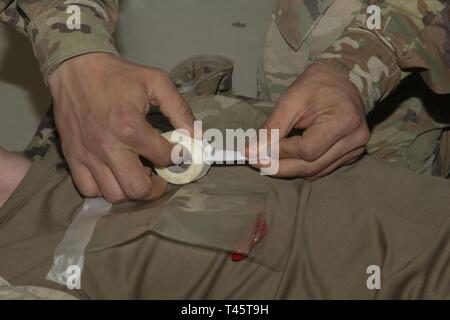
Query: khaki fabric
point(371, 213)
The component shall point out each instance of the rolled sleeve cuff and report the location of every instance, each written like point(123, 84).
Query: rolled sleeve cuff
point(367, 62)
point(53, 42)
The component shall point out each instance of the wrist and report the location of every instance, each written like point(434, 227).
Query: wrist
point(335, 77)
point(53, 43)
point(369, 64)
point(76, 65)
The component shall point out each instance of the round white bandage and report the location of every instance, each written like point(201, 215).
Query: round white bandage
point(186, 173)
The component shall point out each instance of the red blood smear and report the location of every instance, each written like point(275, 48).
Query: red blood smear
point(261, 232)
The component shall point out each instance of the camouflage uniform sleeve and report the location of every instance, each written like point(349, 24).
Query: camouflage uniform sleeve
point(414, 36)
point(54, 40)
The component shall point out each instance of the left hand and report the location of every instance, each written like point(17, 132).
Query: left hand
point(329, 107)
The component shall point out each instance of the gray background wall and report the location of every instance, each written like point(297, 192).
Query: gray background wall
point(160, 33)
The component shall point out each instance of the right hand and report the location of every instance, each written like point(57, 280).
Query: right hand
point(329, 108)
point(100, 103)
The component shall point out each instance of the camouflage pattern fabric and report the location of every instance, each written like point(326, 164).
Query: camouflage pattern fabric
point(45, 136)
point(415, 34)
point(45, 23)
point(8, 292)
point(204, 74)
point(407, 127)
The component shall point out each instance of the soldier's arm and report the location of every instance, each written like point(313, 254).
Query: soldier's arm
point(50, 26)
point(414, 36)
point(100, 101)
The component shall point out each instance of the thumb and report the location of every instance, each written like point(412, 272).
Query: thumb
point(282, 119)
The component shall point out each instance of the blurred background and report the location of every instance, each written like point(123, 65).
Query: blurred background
point(157, 33)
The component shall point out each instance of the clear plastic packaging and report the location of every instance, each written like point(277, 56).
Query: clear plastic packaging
point(220, 215)
point(70, 251)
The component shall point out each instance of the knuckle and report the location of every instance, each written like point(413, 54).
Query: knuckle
point(87, 189)
point(160, 161)
point(308, 153)
point(353, 120)
point(363, 137)
point(127, 132)
point(163, 75)
point(137, 191)
point(157, 75)
point(126, 126)
point(309, 171)
point(89, 192)
point(114, 197)
point(292, 104)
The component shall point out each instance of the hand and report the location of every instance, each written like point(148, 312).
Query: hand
point(100, 103)
point(329, 108)
point(13, 169)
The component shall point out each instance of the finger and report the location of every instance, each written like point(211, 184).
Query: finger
point(349, 158)
point(159, 187)
point(145, 140)
point(107, 182)
point(84, 181)
point(289, 168)
point(131, 175)
point(283, 118)
point(302, 168)
point(164, 94)
point(264, 146)
point(316, 140)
